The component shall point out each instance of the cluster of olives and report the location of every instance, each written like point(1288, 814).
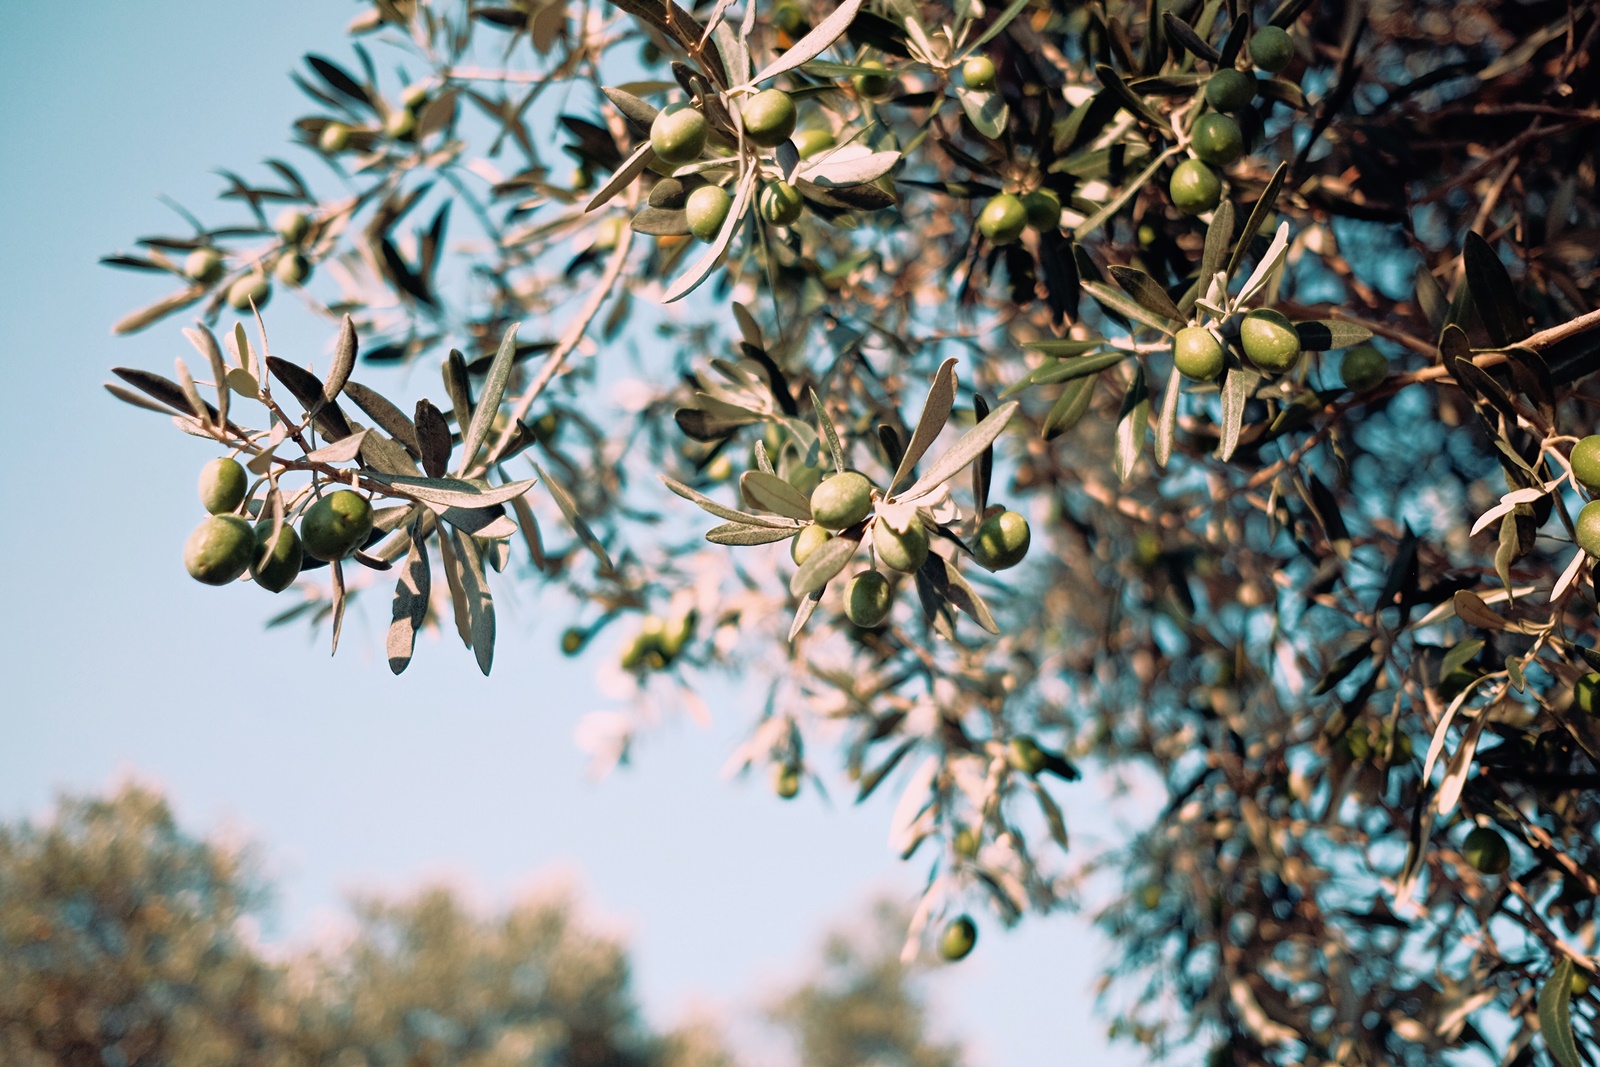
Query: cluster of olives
point(225, 545)
point(1217, 139)
point(658, 642)
point(1585, 461)
point(1004, 217)
point(843, 500)
point(1272, 345)
point(400, 123)
point(204, 265)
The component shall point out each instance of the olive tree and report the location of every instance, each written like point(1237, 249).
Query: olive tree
point(1196, 388)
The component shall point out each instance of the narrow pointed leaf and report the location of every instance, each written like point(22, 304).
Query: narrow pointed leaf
point(1493, 293)
point(964, 451)
point(1133, 425)
point(823, 565)
point(1145, 291)
point(410, 607)
point(569, 510)
point(1236, 392)
point(935, 413)
point(1258, 215)
point(494, 390)
point(1167, 424)
point(722, 511)
point(1555, 1015)
point(813, 44)
point(768, 492)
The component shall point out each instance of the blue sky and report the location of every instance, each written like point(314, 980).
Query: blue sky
point(116, 664)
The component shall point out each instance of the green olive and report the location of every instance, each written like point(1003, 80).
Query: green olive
point(401, 124)
point(786, 17)
point(336, 525)
point(1230, 90)
point(678, 134)
point(808, 540)
point(958, 939)
point(707, 208)
point(1197, 353)
point(1270, 340)
point(1026, 755)
point(335, 136)
point(769, 117)
point(1218, 140)
point(276, 564)
point(842, 500)
point(1195, 187)
point(1486, 850)
point(979, 73)
point(572, 641)
point(204, 265)
point(1003, 219)
point(252, 288)
point(292, 270)
point(1002, 541)
point(1589, 528)
point(292, 225)
point(219, 549)
point(1585, 460)
point(223, 483)
point(1271, 49)
point(786, 781)
point(873, 85)
point(1364, 368)
point(901, 551)
point(868, 599)
point(1044, 210)
point(780, 203)
point(812, 141)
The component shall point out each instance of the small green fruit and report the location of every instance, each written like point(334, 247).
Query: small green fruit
point(336, 525)
point(334, 138)
point(1026, 755)
point(1585, 460)
point(1150, 897)
point(1044, 210)
point(251, 288)
point(678, 134)
point(1271, 49)
point(1269, 340)
point(787, 17)
point(292, 225)
point(872, 86)
point(608, 233)
point(1586, 694)
point(958, 939)
point(808, 540)
point(966, 842)
point(780, 203)
point(414, 96)
point(1589, 528)
point(275, 565)
point(1230, 90)
point(219, 549)
point(1197, 354)
point(786, 781)
point(1579, 984)
point(1002, 541)
point(812, 141)
point(842, 500)
point(292, 270)
point(769, 117)
point(868, 599)
point(222, 485)
point(1218, 140)
point(1364, 368)
point(572, 641)
point(204, 265)
point(1195, 187)
point(901, 551)
point(400, 124)
point(979, 73)
point(707, 208)
point(1003, 219)
point(1486, 851)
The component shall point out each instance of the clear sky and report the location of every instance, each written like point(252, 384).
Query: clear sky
point(115, 663)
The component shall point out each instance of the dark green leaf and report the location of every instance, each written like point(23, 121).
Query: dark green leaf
point(1183, 33)
point(1342, 667)
point(1133, 425)
point(935, 413)
point(433, 439)
point(1069, 408)
point(1493, 293)
point(768, 492)
point(1555, 1014)
point(1128, 98)
point(1167, 423)
point(871, 779)
point(1321, 335)
point(1150, 296)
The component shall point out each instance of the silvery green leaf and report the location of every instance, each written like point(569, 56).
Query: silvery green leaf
point(1069, 408)
point(490, 522)
point(803, 613)
point(458, 596)
point(569, 510)
point(1066, 370)
point(690, 279)
point(385, 455)
point(138, 320)
point(828, 432)
point(636, 110)
point(854, 164)
point(1133, 425)
point(336, 572)
point(452, 492)
point(1258, 213)
point(1127, 307)
point(191, 393)
point(341, 451)
point(1062, 347)
point(1167, 424)
point(768, 492)
point(494, 390)
point(410, 605)
point(964, 451)
point(480, 605)
point(1144, 290)
point(722, 511)
point(1269, 263)
point(622, 177)
point(986, 110)
point(954, 588)
point(813, 44)
point(381, 411)
point(128, 396)
point(734, 50)
point(1219, 239)
point(822, 565)
point(738, 533)
point(935, 413)
point(206, 343)
point(344, 360)
point(243, 383)
point(1239, 387)
point(1460, 766)
point(1321, 335)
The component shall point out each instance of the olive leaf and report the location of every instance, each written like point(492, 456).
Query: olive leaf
point(341, 451)
point(1062, 347)
point(1237, 390)
point(1128, 98)
point(1321, 335)
point(935, 413)
point(451, 560)
point(823, 565)
point(1167, 422)
point(964, 451)
point(1120, 303)
point(622, 177)
point(813, 44)
point(722, 511)
point(410, 606)
point(768, 492)
point(691, 278)
point(1258, 214)
point(1015, 8)
point(870, 780)
point(1145, 291)
point(1133, 425)
point(307, 388)
point(986, 110)
point(433, 439)
point(1555, 1014)
point(451, 492)
point(851, 164)
point(391, 419)
point(1066, 370)
point(1069, 408)
point(830, 433)
point(1191, 41)
point(494, 390)
point(480, 604)
point(743, 534)
point(569, 511)
point(344, 360)
point(1493, 293)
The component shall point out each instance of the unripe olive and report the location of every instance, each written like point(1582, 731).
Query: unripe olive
point(572, 641)
point(1486, 850)
point(292, 270)
point(868, 599)
point(608, 233)
point(1026, 755)
point(901, 551)
point(979, 73)
point(786, 781)
point(204, 265)
point(1364, 368)
point(1197, 354)
point(1585, 460)
point(769, 117)
point(1195, 187)
point(707, 209)
point(842, 500)
point(1218, 139)
point(223, 483)
point(400, 124)
point(1579, 984)
point(1002, 541)
point(1588, 525)
point(966, 842)
point(1003, 219)
point(780, 203)
point(786, 17)
point(1044, 210)
point(276, 564)
point(958, 939)
point(414, 96)
point(808, 540)
point(678, 134)
point(334, 137)
point(219, 549)
point(1270, 340)
point(1230, 90)
point(1271, 49)
point(336, 525)
point(873, 85)
point(292, 225)
point(812, 141)
point(251, 288)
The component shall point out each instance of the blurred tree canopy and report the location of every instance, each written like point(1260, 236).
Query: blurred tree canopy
point(1341, 606)
point(121, 943)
